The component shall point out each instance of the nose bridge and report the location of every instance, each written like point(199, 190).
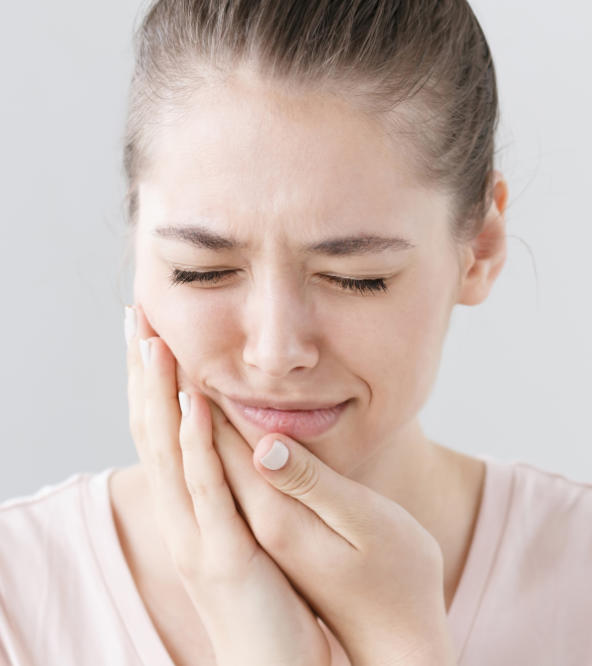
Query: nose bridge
point(279, 327)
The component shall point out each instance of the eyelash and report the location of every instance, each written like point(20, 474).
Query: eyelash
point(368, 286)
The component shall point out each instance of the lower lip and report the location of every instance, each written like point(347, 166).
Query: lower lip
point(301, 423)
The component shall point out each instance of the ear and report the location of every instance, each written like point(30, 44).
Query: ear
point(486, 253)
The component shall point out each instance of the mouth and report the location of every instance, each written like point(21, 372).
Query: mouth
point(292, 422)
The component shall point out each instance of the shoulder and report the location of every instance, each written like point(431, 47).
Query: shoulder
point(42, 494)
point(38, 531)
point(546, 494)
point(529, 592)
point(549, 521)
point(56, 555)
point(23, 515)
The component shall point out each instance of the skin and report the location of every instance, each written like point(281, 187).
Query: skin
point(278, 169)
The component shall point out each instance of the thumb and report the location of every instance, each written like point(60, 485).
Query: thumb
point(295, 471)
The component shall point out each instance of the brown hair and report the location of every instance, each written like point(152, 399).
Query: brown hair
point(426, 59)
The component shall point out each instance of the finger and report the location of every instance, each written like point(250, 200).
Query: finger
point(136, 327)
point(135, 390)
point(301, 544)
point(346, 506)
point(251, 492)
point(221, 526)
point(164, 465)
point(283, 525)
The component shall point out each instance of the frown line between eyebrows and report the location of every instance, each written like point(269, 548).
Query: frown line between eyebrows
point(201, 237)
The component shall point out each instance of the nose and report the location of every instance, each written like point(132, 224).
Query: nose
point(279, 328)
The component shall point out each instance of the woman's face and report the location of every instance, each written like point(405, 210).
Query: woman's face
point(274, 173)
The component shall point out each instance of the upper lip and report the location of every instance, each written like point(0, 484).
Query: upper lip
point(272, 403)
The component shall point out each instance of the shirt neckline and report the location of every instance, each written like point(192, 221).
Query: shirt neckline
point(487, 536)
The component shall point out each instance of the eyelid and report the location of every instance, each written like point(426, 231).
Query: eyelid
point(357, 286)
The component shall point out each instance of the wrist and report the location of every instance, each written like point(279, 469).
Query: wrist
point(422, 656)
point(435, 649)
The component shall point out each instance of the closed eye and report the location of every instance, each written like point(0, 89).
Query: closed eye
point(361, 286)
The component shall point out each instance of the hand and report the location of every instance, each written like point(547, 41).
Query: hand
point(251, 612)
point(365, 565)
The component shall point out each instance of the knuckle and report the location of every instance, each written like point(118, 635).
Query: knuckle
point(197, 490)
point(301, 480)
point(273, 536)
point(188, 444)
point(134, 384)
point(201, 491)
point(162, 462)
point(152, 411)
point(185, 561)
point(227, 569)
point(132, 356)
point(150, 390)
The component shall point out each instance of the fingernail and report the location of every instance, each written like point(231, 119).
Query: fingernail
point(145, 351)
point(185, 402)
point(276, 457)
point(131, 323)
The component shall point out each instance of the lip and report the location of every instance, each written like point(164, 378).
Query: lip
point(282, 406)
point(293, 422)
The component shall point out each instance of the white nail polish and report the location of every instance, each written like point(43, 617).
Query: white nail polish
point(131, 323)
point(185, 402)
point(145, 351)
point(276, 457)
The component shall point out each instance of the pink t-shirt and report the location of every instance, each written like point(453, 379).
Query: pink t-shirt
point(67, 597)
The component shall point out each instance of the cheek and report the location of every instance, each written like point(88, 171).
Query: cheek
point(401, 353)
point(199, 328)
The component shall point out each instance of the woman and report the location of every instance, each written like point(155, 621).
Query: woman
point(311, 192)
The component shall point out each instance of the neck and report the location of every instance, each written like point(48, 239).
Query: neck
point(441, 488)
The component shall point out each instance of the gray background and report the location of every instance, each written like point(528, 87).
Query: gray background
point(514, 381)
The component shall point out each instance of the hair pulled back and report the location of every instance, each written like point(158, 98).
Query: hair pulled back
point(424, 65)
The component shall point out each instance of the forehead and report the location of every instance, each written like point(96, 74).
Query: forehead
point(248, 151)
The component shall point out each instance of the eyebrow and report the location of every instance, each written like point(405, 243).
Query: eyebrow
point(201, 237)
